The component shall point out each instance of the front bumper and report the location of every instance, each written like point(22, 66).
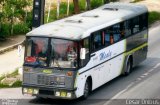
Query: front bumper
point(49, 92)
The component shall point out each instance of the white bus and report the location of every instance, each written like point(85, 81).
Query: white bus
point(71, 57)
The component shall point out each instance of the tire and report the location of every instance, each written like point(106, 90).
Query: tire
point(128, 67)
point(86, 90)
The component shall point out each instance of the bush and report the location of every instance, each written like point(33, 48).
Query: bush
point(153, 17)
point(17, 84)
point(135, 1)
point(82, 5)
point(20, 28)
point(5, 30)
point(96, 3)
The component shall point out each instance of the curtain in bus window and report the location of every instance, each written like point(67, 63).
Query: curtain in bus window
point(97, 40)
point(116, 32)
point(127, 26)
point(136, 25)
point(116, 37)
point(107, 39)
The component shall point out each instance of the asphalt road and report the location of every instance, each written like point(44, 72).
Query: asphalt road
point(142, 83)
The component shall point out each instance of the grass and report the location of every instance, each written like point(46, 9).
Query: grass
point(2, 77)
point(153, 17)
point(18, 83)
point(63, 9)
point(13, 74)
point(135, 1)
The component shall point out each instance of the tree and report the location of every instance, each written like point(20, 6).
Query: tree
point(106, 1)
point(76, 6)
point(14, 9)
point(88, 4)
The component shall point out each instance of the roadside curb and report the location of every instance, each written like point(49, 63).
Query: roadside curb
point(2, 51)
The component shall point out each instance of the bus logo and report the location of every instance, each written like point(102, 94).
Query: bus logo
point(47, 71)
point(105, 55)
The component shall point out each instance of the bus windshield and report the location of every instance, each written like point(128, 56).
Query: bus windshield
point(55, 53)
point(36, 51)
point(64, 53)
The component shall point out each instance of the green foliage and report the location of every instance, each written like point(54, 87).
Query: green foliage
point(135, 1)
point(28, 20)
point(2, 77)
point(15, 8)
point(5, 30)
point(82, 5)
point(153, 17)
point(3, 86)
point(63, 12)
point(13, 74)
point(20, 28)
point(17, 84)
point(96, 3)
point(11, 10)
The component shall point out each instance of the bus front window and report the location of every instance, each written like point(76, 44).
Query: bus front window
point(64, 53)
point(36, 51)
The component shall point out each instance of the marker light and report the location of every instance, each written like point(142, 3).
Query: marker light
point(69, 73)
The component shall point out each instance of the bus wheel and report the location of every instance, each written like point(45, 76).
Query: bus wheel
point(86, 90)
point(128, 67)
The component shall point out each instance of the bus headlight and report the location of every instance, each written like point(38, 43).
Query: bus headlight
point(60, 80)
point(69, 95)
point(57, 94)
point(35, 91)
point(25, 90)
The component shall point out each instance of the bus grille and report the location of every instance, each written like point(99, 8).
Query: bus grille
point(46, 80)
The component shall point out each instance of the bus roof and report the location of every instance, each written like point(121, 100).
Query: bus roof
point(80, 26)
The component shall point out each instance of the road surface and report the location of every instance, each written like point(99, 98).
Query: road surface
point(11, 61)
point(142, 83)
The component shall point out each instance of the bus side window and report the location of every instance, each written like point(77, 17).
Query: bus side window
point(127, 28)
point(116, 33)
point(97, 40)
point(122, 30)
point(85, 44)
point(136, 27)
point(107, 35)
point(143, 21)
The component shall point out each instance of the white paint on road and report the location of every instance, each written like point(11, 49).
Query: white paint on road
point(118, 95)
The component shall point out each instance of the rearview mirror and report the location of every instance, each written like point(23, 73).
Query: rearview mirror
point(83, 53)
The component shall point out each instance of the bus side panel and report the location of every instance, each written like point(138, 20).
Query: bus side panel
point(103, 67)
point(137, 46)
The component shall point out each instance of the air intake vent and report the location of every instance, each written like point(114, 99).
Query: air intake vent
point(90, 15)
point(111, 9)
point(73, 21)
